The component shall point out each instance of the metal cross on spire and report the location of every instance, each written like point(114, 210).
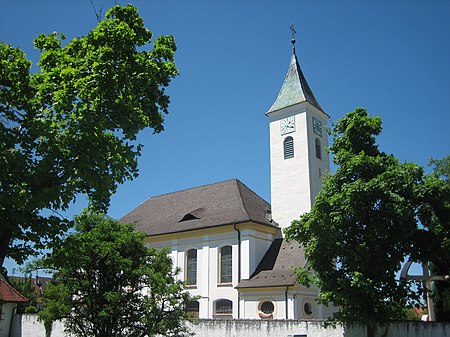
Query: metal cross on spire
point(291, 27)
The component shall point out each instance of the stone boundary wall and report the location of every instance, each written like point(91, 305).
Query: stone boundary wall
point(27, 325)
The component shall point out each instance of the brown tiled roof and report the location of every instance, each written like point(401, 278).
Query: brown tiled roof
point(218, 204)
point(275, 268)
point(9, 294)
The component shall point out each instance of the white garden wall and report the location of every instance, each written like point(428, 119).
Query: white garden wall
point(28, 326)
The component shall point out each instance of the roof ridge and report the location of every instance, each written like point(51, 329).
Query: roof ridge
point(241, 199)
point(225, 202)
point(192, 188)
point(179, 191)
point(253, 192)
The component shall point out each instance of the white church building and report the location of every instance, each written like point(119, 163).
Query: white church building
point(228, 241)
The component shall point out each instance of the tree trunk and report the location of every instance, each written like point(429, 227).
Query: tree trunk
point(5, 238)
point(371, 330)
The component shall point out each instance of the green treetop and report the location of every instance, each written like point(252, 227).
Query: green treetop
point(108, 284)
point(71, 127)
point(369, 216)
point(438, 237)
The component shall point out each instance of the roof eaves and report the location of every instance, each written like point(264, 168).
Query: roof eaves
point(214, 226)
point(253, 285)
point(288, 106)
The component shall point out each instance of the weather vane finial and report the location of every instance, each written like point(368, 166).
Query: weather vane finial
point(291, 27)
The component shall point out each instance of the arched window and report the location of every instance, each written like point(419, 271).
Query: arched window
point(193, 309)
point(226, 264)
point(223, 309)
point(288, 147)
point(318, 149)
point(191, 267)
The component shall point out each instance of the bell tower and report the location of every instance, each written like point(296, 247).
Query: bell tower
point(298, 139)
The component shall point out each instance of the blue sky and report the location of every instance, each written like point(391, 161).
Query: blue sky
point(390, 56)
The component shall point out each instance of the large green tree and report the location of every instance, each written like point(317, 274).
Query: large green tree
point(108, 284)
point(71, 127)
point(365, 221)
point(438, 243)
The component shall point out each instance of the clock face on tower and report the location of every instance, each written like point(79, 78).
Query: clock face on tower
point(287, 125)
point(317, 126)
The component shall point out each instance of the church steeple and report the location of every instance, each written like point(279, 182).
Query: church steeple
point(295, 88)
point(298, 140)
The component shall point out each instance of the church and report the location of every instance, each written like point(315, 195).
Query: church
point(228, 241)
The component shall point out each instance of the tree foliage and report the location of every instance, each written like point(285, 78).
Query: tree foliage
point(107, 283)
point(369, 216)
point(25, 286)
point(70, 128)
point(441, 228)
point(441, 167)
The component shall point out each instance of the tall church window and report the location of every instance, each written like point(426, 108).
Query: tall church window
point(191, 267)
point(226, 264)
point(288, 147)
point(223, 309)
point(318, 149)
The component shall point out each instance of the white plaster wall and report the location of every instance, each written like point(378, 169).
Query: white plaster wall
point(326, 311)
point(290, 189)
point(208, 288)
point(258, 328)
point(295, 182)
point(318, 167)
point(216, 289)
point(254, 246)
point(296, 299)
point(251, 302)
point(6, 314)
point(28, 326)
point(245, 261)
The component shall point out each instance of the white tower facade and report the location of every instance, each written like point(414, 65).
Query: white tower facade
point(298, 139)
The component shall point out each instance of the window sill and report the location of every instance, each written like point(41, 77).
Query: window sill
point(225, 284)
point(190, 286)
point(223, 316)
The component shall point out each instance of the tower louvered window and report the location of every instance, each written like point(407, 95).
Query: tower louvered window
point(288, 147)
point(318, 149)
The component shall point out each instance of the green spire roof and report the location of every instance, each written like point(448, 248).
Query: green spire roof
point(295, 89)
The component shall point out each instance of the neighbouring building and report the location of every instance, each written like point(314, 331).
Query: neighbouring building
point(36, 285)
point(228, 241)
point(9, 299)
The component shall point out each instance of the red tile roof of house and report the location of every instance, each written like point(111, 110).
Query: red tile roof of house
point(9, 294)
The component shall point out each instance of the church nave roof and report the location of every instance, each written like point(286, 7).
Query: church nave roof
point(212, 205)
